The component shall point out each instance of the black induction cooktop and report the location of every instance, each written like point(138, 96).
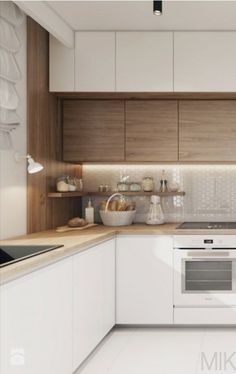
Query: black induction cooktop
point(207, 226)
point(10, 254)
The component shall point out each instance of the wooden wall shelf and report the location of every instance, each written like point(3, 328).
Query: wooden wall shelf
point(97, 193)
point(66, 194)
point(141, 193)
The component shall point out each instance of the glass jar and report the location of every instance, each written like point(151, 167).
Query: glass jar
point(148, 184)
point(123, 186)
point(135, 187)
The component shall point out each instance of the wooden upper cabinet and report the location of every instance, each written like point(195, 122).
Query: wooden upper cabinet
point(205, 61)
point(207, 130)
point(151, 130)
point(93, 130)
point(144, 61)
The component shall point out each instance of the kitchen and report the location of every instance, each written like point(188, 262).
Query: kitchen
point(117, 187)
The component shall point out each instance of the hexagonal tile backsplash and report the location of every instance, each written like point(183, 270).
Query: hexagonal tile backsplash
point(210, 189)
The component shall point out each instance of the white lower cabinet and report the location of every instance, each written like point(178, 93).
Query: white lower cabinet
point(94, 298)
point(144, 280)
point(205, 316)
point(36, 323)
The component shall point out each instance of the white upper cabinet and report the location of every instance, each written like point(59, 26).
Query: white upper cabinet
point(205, 61)
point(144, 61)
point(95, 61)
point(144, 280)
point(61, 67)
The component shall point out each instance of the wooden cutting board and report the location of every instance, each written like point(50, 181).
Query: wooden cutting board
point(67, 228)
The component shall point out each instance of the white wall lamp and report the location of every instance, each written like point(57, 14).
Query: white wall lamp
point(157, 8)
point(33, 167)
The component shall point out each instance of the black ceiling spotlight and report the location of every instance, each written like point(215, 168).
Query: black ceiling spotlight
point(157, 8)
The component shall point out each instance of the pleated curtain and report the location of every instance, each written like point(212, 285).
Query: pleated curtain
point(11, 17)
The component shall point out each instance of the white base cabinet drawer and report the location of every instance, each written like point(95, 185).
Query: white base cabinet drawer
point(144, 289)
point(205, 316)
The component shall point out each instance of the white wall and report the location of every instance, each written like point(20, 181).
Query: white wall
point(13, 178)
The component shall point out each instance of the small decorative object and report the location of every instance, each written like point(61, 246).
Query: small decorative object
point(71, 181)
point(163, 182)
point(72, 187)
point(174, 187)
point(123, 186)
point(135, 187)
point(62, 185)
point(107, 188)
point(148, 184)
point(79, 184)
point(89, 212)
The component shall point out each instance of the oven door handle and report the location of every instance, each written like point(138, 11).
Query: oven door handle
point(211, 254)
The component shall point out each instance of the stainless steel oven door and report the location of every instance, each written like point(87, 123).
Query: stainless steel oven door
point(204, 277)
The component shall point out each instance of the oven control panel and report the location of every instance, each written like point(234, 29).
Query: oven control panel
point(206, 241)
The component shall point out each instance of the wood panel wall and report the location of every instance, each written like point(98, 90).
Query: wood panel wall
point(44, 139)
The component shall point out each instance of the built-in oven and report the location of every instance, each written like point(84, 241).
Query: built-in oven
point(204, 271)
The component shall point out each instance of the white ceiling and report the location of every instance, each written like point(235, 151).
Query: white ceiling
point(138, 15)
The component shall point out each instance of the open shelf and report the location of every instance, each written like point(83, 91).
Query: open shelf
point(141, 193)
point(97, 193)
point(66, 194)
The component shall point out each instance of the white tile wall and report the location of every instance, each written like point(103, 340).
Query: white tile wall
point(210, 189)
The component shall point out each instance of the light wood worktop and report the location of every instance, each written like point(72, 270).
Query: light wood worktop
point(76, 241)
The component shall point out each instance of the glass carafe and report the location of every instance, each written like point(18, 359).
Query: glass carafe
point(155, 214)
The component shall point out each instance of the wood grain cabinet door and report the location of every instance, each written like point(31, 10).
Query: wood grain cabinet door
point(93, 130)
point(151, 130)
point(207, 130)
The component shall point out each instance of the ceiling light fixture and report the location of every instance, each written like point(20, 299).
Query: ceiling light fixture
point(33, 167)
point(157, 8)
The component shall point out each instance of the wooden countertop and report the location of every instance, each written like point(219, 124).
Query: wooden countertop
point(76, 241)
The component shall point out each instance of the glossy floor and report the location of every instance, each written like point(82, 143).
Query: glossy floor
point(165, 351)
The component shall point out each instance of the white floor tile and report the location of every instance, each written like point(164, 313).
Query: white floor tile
point(161, 351)
point(102, 358)
point(219, 344)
